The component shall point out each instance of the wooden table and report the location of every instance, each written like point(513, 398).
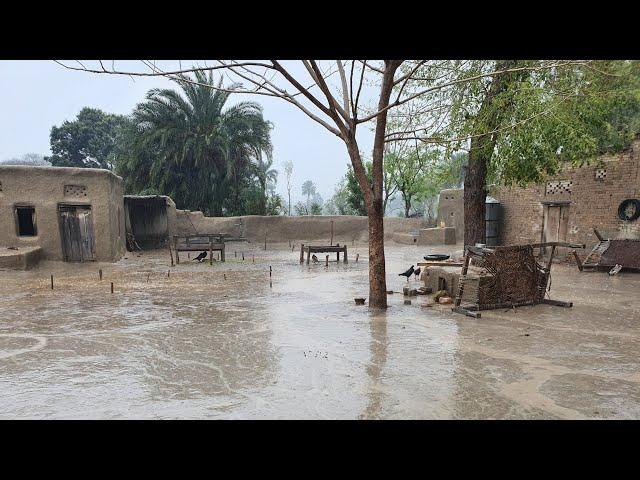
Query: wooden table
point(323, 249)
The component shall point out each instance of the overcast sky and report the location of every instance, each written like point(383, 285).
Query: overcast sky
point(35, 95)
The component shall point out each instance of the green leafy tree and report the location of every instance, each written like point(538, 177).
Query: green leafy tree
point(274, 204)
point(355, 196)
point(301, 208)
point(187, 145)
point(316, 208)
point(338, 204)
point(88, 141)
point(522, 120)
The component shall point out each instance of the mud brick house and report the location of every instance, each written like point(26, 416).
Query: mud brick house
point(72, 214)
point(566, 207)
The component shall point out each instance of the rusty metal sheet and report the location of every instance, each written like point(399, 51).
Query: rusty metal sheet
point(624, 252)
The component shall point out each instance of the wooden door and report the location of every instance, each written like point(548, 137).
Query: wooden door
point(556, 224)
point(551, 229)
point(76, 227)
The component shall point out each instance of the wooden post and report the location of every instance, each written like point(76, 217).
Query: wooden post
point(308, 254)
point(222, 254)
point(253, 258)
point(51, 282)
point(553, 251)
point(100, 273)
point(235, 254)
point(148, 275)
point(168, 273)
point(331, 242)
point(265, 240)
point(357, 256)
point(301, 253)
point(338, 257)
point(210, 250)
point(175, 247)
point(111, 287)
point(243, 256)
point(346, 259)
point(326, 260)
point(269, 271)
point(171, 254)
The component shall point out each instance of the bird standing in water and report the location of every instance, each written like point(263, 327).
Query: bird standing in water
point(407, 274)
point(201, 257)
point(314, 258)
point(416, 272)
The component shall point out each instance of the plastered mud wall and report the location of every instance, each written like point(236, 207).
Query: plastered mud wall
point(346, 228)
point(44, 189)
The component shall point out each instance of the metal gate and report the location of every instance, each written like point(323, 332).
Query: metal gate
point(76, 229)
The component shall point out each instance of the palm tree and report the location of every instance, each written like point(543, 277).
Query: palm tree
point(308, 189)
point(187, 145)
point(265, 175)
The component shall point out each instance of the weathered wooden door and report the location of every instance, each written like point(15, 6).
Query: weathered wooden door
point(556, 222)
point(76, 227)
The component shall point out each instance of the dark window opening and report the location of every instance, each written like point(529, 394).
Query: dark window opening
point(26, 221)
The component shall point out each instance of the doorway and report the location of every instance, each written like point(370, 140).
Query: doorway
point(76, 229)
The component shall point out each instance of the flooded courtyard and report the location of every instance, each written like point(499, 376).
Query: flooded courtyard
point(228, 341)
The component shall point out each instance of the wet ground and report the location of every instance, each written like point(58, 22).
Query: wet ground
point(222, 342)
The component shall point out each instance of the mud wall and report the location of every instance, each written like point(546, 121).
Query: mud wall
point(282, 229)
point(451, 210)
point(44, 188)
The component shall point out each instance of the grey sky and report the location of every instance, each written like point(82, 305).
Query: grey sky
point(35, 95)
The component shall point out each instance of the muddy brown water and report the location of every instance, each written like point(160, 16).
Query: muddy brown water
point(199, 345)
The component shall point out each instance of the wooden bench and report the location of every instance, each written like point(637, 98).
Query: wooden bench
point(199, 243)
point(323, 249)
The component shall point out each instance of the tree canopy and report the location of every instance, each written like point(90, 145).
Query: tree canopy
point(190, 145)
point(88, 141)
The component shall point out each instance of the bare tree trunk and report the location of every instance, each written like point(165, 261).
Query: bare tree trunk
point(373, 193)
point(377, 268)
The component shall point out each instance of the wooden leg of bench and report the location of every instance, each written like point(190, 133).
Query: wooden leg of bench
point(578, 261)
point(466, 312)
point(557, 303)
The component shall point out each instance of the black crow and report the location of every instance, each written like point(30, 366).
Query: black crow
point(407, 274)
point(201, 257)
point(314, 258)
point(416, 272)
